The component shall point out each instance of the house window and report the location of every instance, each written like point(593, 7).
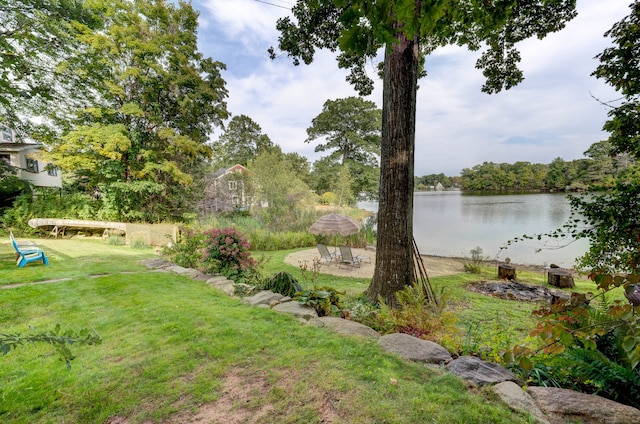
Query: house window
point(6, 159)
point(233, 185)
point(7, 135)
point(52, 170)
point(32, 165)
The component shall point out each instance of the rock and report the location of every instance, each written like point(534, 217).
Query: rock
point(348, 327)
point(478, 372)
point(312, 321)
point(177, 269)
point(193, 273)
point(414, 349)
point(217, 280)
point(155, 263)
point(519, 400)
point(264, 297)
point(198, 275)
point(225, 286)
point(296, 309)
point(562, 406)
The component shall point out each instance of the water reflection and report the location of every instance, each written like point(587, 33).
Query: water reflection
point(451, 223)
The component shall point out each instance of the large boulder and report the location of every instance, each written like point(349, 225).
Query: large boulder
point(563, 406)
point(414, 349)
point(265, 297)
point(223, 284)
point(348, 327)
point(478, 372)
point(297, 309)
point(519, 400)
point(190, 272)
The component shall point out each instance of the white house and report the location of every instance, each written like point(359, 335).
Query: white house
point(26, 158)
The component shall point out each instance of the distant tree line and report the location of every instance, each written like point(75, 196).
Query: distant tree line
point(599, 169)
point(431, 181)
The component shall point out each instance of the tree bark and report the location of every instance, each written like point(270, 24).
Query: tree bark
point(394, 252)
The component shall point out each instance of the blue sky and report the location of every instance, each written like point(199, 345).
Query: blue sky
point(550, 114)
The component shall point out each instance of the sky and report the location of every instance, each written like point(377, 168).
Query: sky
point(552, 113)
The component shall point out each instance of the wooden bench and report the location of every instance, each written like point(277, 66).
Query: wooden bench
point(27, 252)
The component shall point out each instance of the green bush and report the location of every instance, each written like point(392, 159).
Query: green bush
point(589, 343)
point(283, 283)
point(116, 240)
point(139, 244)
point(325, 300)
point(416, 315)
point(186, 251)
point(474, 265)
point(329, 198)
point(266, 240)
point(48, 203)
point(226, 252)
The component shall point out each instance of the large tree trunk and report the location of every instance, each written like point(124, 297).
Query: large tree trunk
point(394, 253)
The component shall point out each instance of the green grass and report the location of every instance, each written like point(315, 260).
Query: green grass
point(173, 347)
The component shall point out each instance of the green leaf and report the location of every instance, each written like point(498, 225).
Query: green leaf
point(526, 364)
point(629, 344)
point(566, 338)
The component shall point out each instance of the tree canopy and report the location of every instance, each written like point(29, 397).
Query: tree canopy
point(241, 142)
point(351, 130)
point(408, 30)
point(36, 37)
point(611, 221)
point(142, 145)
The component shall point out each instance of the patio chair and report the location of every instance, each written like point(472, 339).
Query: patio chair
point(325, 254)
point(348, 258)
point(25, 244)
point(27, 252)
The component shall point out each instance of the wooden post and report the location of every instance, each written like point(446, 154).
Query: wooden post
point(506, 272)
point(560, 278)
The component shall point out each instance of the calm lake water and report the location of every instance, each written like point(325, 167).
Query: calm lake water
point(451, 223)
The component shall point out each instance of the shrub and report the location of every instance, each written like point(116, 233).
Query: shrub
point(416, 315)
point(283, 283)
point(329, 198)
point(266, 240)
point(116, 240)
point(186, 251)
point(139, 244)
point(597, 345)
point(226, 252)
point(325, 300)
point(474, 265)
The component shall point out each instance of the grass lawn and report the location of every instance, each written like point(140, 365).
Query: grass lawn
point(174, 350)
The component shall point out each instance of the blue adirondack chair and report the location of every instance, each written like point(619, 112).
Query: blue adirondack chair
point(27, 252)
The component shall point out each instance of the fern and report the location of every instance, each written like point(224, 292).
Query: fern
point(418, 316)
point(283, 283)
point(608, 378)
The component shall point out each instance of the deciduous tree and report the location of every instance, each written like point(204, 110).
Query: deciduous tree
point(278, 189)
point(144, 143)
point(36, 37)
point(406, 29)
point(611, 221)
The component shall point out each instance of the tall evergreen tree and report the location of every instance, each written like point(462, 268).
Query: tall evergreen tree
point(241, 142)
